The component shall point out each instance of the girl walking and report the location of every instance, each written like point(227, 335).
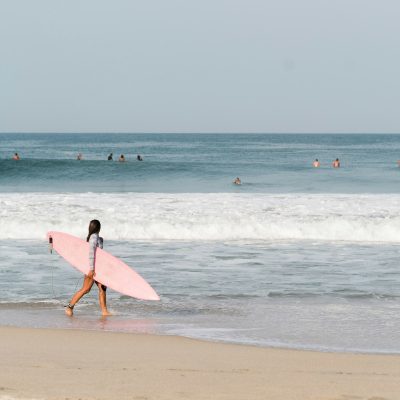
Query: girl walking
point(94, 241)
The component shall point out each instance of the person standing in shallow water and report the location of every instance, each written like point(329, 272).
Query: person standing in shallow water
point(336, 163)
point(316, 163)
point(95, 241)
point(237, 181)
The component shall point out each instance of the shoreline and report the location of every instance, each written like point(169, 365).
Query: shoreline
point(42, 363)
point(30, 318)
point(143, 332)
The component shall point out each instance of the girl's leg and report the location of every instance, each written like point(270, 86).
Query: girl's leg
point(87, 285)
point(102, 299)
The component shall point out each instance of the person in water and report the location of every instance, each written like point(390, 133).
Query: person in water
point(110, 157)
point(94, 241)
point(139, 157)
point(336, 163)
point(121, 158)
point(237, 181)
point(316, 163)
point(79, 156)
point(16, 157)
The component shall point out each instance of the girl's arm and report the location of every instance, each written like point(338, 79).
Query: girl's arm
point(92, 251)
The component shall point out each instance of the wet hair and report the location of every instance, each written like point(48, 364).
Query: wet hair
point(94, 227)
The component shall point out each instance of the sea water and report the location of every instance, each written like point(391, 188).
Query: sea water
point(294, 257)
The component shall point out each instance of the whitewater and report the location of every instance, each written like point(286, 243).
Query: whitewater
point(222, 216)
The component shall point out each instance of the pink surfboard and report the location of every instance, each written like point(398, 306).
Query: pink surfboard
point(110, 271)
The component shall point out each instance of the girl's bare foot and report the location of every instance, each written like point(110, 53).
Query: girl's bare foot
point(69, 310)
point(106, 313)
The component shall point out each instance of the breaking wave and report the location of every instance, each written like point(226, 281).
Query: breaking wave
point(212, 216)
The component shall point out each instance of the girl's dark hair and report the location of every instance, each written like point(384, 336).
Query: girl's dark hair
point(94, 227)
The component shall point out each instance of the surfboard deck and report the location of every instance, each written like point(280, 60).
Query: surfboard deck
point(109, 270)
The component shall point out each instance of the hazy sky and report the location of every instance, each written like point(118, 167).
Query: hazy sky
point(202, 66)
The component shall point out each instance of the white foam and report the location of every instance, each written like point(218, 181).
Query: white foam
point(215, 216)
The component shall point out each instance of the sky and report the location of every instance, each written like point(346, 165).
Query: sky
point(200, 66)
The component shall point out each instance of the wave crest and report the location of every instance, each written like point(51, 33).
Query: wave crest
point(215, 216)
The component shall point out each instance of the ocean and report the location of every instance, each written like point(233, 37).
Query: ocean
point(295, 257)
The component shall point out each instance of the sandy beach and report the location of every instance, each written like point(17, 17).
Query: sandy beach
point(72, 364)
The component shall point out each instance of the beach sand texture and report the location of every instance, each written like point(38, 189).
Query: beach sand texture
point(72, 364)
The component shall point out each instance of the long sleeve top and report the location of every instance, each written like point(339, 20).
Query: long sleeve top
point(95, 241)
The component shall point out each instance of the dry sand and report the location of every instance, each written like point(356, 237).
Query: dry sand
point(70, 364)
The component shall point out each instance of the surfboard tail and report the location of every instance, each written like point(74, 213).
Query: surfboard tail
point(154, 297)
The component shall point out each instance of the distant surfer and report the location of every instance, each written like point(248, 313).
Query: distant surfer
point(237, 181)
point(79, 157)
point(121, 158)
point(110, 157)
point(139, 157)
point(94, 241)
point(16, 157)
point(336, 163)
point(316, 163)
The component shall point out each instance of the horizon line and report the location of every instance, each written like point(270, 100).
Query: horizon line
point(195, 133)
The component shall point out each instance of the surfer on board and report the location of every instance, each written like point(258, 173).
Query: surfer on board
point(94, 241)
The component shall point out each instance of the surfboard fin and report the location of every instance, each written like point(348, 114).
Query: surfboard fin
point(50, 245)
